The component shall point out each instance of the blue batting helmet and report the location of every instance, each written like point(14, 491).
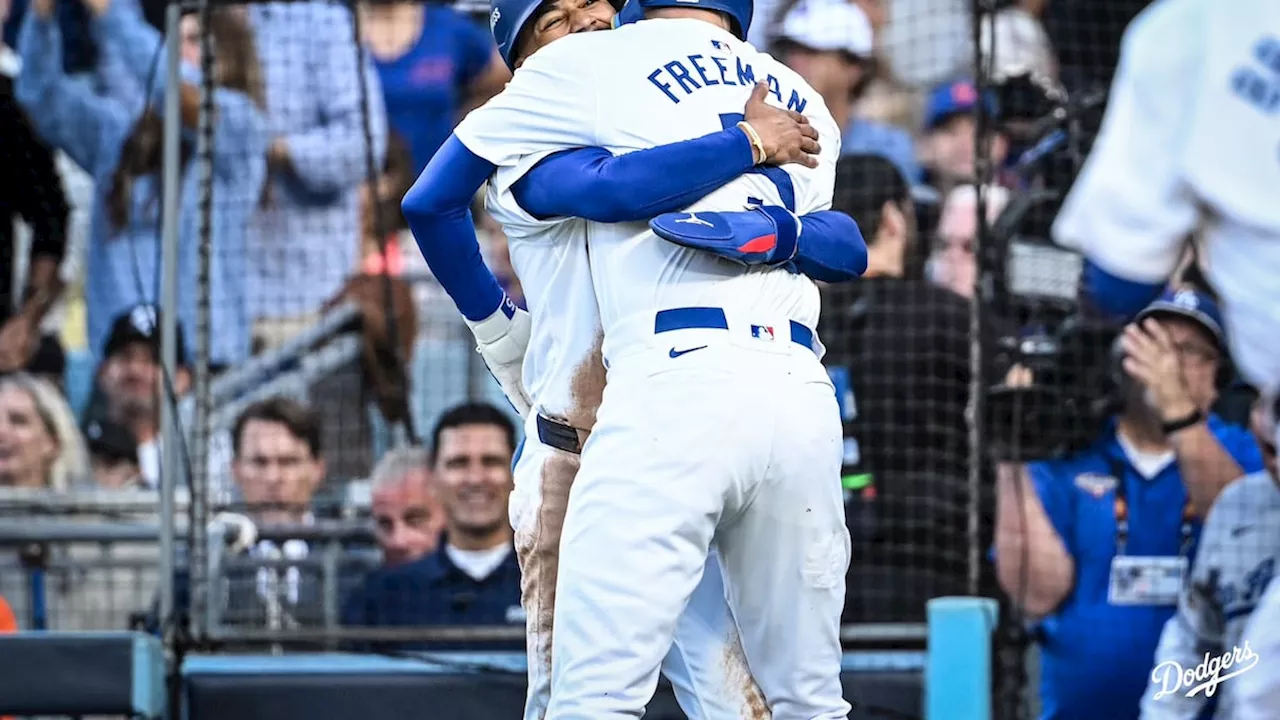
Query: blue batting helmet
point(508, 18)
point(739, 11)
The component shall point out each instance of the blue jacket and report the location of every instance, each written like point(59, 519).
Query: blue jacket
point(123, 265)
point(434, 591)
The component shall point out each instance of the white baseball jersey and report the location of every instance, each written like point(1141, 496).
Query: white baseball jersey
point(646, 84)
point(1239, 549)
point(550, 258)
point(1191, 140)
point(1257, 692)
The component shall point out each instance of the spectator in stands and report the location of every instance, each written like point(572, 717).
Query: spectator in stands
point(435, 66)
point(407, 514)
point(1019, 45)
point(277, 465)
point(122, 152)
point(1095, 545)
point(952, 264)
point(474, 578)
point(40, 446)
point(277, 468)
point(30, 189)
point(317, 158)
point(898, 353)
point(830, 44)
point(113, 454)
point(949, 147)
point(129, 383)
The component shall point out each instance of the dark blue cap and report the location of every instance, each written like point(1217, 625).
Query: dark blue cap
point(1192, 305)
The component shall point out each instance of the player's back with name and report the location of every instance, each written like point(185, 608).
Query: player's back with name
point(667, 80)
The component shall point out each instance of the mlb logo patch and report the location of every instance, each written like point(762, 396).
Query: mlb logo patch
point(762, 332)
point(1095, 484)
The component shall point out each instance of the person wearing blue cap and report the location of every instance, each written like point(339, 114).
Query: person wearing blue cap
point(1095, 547)
point(949, 148)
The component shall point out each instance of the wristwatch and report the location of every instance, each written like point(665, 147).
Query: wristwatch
point(1182, 423)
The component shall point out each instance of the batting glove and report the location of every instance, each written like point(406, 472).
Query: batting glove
point(763, 235)
point(501, 340)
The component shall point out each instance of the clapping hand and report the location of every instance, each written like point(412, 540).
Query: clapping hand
point(1152, 359)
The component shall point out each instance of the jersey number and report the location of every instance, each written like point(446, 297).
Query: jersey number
point(776, 175)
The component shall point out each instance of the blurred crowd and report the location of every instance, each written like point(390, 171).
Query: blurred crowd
point(314, 141)
point(298, 219)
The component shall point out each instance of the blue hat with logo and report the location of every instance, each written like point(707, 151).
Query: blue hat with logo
point(954, 98)
point(1192, 305)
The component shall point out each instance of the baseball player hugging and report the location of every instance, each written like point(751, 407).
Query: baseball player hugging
point(743, 161)
point(718, 424)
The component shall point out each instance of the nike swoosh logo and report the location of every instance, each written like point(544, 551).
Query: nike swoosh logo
point(677, 353)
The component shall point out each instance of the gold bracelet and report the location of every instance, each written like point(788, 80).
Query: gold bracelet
point(757, 144)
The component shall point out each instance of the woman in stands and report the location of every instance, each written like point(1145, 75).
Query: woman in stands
point(122, 148)
point(40, 446)
point(435, 65)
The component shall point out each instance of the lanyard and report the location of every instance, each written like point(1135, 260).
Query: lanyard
point(1122, 513)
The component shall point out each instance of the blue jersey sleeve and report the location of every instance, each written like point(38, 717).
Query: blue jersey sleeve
point(831, 248)
point(1114, 297)
point(593, 184)
point(438, 210)
point(1241, 446)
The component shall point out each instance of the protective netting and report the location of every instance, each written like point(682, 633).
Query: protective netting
point(313, 340)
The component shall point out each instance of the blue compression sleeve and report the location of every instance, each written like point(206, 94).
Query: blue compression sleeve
point(831, 247)
point(1115, 297)
point(593, 184)
point(438, 209)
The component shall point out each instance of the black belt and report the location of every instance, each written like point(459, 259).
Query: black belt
point(561, 436)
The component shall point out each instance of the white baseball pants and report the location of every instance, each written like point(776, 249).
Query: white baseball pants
point(705, 663)
point(736, 445)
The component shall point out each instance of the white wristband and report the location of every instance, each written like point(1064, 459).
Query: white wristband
point(495, 326)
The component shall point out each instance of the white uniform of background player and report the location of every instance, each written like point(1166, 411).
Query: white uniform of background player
point(563, 379)
point(704, 435)
point(1191, 142)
